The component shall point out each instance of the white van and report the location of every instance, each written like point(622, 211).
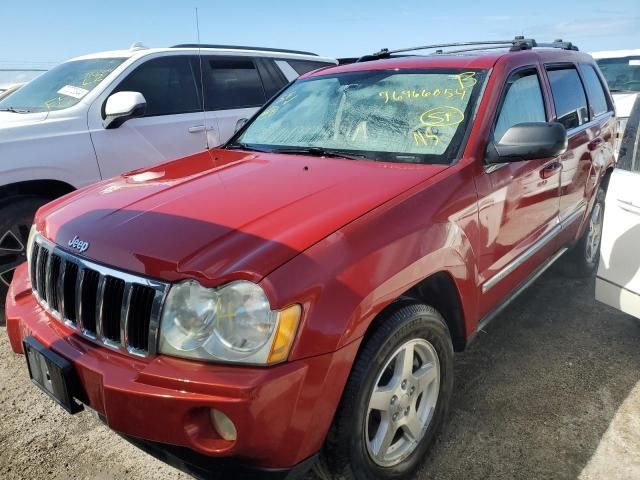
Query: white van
point(99, 115)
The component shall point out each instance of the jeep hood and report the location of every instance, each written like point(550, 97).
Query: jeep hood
point(221, 214)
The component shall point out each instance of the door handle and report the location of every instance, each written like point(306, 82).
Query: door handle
point(595, 143)
point(549, 171)
point(197, 129)
point(629, 206)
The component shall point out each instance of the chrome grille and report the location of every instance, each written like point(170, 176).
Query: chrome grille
point(110, 307)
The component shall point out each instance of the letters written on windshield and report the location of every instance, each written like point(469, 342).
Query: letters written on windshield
point(412, 116)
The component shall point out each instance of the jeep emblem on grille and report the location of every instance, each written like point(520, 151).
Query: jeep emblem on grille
point(78, 244)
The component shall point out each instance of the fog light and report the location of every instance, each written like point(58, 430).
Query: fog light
point(223, 425)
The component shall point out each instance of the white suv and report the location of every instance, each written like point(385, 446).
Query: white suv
point(99, 115)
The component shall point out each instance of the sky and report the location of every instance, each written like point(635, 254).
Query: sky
point(42, 33)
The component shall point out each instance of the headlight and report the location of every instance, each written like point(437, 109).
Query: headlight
point(233, 323)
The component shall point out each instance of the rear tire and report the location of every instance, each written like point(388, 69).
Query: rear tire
point(582, 260)
point(16, 218)
point(401, 382)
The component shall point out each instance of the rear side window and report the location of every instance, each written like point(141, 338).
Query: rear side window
point(167, 83)
point(523, 102)
point(232, 83)
point(306, 66)
point(569, 97)
point(597, 97)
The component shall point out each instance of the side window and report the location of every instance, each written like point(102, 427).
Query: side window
point(523, 102)
point(306, 66)
point(232, 83)
point(597, 97)
point(167, 83)
point(568, 97)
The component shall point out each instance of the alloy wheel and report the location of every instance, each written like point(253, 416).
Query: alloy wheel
point(402, 402)
point(594, 233)
point(13, 251)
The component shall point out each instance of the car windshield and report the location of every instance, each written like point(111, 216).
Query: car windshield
point(417, 116)
point(62, 86)
point(622, 74)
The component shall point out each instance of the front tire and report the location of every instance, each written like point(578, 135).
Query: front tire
point(396, 398)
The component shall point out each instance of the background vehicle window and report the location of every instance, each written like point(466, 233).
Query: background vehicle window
point(306, 66)
point(522, 103)
point(568, 97)
point(597, 97)
point(63, 86)
point(232, 83)
point(622, 74)
point(168, 85)
point(629, 155)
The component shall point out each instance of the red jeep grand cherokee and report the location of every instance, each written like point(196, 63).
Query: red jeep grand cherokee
point(295, 297)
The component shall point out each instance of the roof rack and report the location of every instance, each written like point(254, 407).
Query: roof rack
point(517, 44)
point(240, 47)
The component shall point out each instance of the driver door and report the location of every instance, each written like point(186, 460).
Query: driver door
point(520, 212)
point(174, 124)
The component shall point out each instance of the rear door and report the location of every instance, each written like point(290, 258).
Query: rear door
point(618, 280)
point(234, 90)
point(173, 125)
point(589, 123)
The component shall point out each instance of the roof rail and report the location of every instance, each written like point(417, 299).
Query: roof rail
point(518, 43)
point(240, 47)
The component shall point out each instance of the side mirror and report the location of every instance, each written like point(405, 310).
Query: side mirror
point(528, 141)
point(123, 106)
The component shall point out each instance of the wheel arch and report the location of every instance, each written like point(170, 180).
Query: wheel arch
point(438, 290)
point(50, 189)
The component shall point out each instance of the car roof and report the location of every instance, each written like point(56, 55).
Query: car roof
point(143, 51)
point(467, 60)
point(616, 53)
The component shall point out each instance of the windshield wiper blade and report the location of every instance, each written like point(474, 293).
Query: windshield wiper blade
point(319, 152)
point(15, 110)
point(244, 146)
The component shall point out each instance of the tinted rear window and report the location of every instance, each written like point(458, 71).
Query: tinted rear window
point(232, 83)
point(305, 66)
point(569, 97)
point(597, 97)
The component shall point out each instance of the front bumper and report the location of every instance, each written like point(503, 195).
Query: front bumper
point(282, 414)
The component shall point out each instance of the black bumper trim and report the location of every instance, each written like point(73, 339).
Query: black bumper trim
point(205, 467)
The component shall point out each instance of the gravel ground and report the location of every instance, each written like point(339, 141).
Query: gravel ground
point(550, 390)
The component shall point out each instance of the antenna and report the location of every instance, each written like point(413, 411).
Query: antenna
point(204, 112)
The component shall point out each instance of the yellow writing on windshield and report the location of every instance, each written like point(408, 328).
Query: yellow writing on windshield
point(425, 137)
point(467, 79)
point(407, 95)
point(465, 82)
point(442, 116)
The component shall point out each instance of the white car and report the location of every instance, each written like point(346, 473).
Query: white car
point(618, 279)
point(100, 115)
point(621, 69)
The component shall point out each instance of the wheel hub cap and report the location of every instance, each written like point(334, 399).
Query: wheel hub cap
point(402, 402)
point(12, 252)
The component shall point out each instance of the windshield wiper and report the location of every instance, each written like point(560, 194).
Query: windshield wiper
point(244, 146)
point(319, 152)
point(15, 110)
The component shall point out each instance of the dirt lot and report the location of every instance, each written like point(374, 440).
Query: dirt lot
point(550, 390)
